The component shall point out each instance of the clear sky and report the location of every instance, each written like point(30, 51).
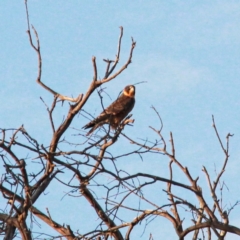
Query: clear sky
point(187, 51)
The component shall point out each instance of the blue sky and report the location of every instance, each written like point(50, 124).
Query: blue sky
point(187, 51)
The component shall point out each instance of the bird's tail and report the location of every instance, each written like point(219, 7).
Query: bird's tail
point(94, 124)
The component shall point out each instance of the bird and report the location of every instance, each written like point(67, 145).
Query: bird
point(115, 112)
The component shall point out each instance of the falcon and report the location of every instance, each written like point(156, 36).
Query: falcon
point(116, 112)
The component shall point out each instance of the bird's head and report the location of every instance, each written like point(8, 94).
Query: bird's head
point(129, 91)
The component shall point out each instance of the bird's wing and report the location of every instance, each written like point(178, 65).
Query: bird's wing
point(123, 103)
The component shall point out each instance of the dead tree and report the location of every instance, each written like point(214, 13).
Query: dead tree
point(87, 161)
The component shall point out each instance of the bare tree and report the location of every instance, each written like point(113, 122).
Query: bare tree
point(95, 175)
